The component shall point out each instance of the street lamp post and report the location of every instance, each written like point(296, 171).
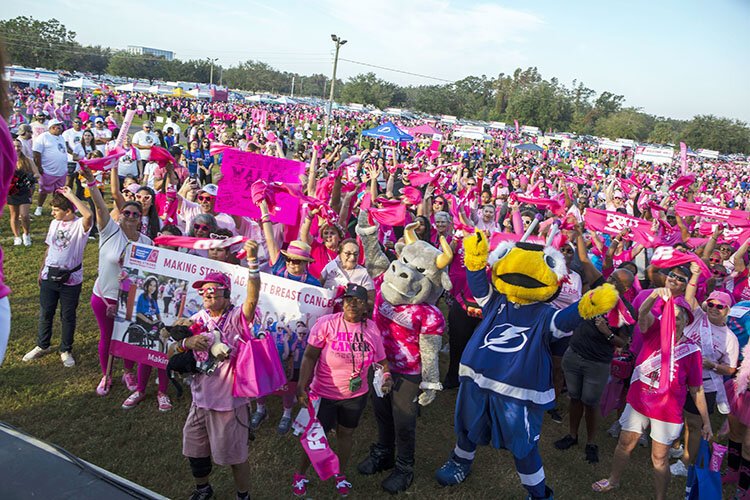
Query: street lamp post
point(339, 42)
point(211, 78)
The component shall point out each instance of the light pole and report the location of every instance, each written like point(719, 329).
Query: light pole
point(339, 42)
point(212, 61)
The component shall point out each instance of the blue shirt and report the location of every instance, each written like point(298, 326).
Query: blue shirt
point(740, 326)
point(509, 352)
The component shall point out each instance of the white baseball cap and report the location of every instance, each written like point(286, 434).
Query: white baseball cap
point(54, 122)
point(211, 189)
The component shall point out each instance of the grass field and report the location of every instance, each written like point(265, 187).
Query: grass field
point(59, 405)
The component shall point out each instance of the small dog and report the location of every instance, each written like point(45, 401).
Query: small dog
point(186, 362)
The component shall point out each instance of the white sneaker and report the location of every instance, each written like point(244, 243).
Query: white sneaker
point(26, 240)
point(38, 212)
point(35, 353)
point(17, 241)
point(676, 452)
point(67, 359)
point(678, 469)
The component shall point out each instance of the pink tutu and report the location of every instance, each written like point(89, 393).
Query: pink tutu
point(739, 404)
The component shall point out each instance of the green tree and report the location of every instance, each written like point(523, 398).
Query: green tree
point(721, 134)
point(628, 123)
point(37, 44)
point(138, 66)
point(368, 89)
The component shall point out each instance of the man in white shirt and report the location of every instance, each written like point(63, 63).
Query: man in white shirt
point(72, 138)
point(144, 140)
point(51, 158)
point(102, 134)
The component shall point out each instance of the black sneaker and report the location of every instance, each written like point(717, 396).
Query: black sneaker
point(566, 442)
point(592, 453)
point(555, 416)
point(202, 493)
point(400, 479)
point(378, 460)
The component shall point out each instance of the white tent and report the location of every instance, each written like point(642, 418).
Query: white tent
point(284, 100)
point(161, 89)
point(32, 77)
point(81, 83)
point(252, 98)
point(472, 132)
point(200, 94)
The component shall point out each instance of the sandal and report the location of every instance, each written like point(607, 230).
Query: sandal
point(604, 486)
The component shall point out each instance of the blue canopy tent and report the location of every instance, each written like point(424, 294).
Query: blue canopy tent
point(388, 132)
point(528, 147)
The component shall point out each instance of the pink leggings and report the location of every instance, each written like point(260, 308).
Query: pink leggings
point(106, 326)
point(144, 372)
point(288, 399)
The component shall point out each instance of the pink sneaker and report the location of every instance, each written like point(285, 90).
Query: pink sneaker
point(342, 485)
point(164, 403)
point(133, 400)
point(130, 381)
point(104, 384)
point(299, 485)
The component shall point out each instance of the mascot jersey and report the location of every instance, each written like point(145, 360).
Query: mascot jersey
point(401, 326)
point(509, 351)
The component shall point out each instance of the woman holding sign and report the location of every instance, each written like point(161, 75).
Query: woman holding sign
point(113, 238)
point(340, 350)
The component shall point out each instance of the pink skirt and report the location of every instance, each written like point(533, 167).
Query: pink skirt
point(739, 404)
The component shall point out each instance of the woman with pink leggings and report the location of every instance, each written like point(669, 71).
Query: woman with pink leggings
point(113, 238)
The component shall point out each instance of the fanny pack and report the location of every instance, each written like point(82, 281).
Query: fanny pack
point(60, 275)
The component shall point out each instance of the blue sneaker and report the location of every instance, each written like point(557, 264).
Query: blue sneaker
point(453, 472)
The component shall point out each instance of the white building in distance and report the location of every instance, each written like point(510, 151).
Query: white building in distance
point(148, 51)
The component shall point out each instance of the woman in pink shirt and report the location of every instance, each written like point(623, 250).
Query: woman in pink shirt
point(659, 408)
point(340, 350)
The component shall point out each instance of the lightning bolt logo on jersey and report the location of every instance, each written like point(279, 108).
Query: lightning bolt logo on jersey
point(509, 351)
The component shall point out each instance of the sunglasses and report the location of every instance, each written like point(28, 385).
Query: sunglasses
point(143, 197)
point(201, 227)
point(130, 215)
point(714, 305)
point(714, 261)
point(205, 198)
point(210, 289)
point(215, 236)
point(566, 250)
point(718, 273)
point(296, 261)
point(677, 277)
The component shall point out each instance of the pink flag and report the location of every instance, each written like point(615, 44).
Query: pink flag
point(738, 218)
point(668, 327)
point(394, 215)
point(518, 129)
point(683, 158)
point(104, 163)
point(666, 257)
point(614, 222)
point(684, 180)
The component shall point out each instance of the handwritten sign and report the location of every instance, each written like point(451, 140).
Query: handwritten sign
point(241, 169)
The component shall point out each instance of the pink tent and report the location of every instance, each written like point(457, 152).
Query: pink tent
point(424, 129)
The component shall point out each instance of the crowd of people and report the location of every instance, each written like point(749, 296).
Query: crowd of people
point(673, 234)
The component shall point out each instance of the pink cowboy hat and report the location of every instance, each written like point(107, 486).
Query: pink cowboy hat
point(298, 250)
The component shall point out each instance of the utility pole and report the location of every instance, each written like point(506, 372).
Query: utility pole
point(212, 61)
point(339, 42)
point(292, 86)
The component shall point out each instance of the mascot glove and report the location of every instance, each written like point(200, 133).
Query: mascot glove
point(364, 228)
point(476, 251)
point(435, 386)
point(427, 397)
point(598, 301)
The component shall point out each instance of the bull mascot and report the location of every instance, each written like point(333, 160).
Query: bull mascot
point(506, 368)
point(412, 328)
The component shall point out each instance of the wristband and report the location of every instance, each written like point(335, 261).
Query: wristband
point(386, 375)
point(92, 184)
point(182, 345)
point(610, 337)
point(265, 218)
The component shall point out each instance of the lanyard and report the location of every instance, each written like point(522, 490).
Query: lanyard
point(355, 372)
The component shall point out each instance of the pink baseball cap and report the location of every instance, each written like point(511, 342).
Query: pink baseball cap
point(721, 298)
point(680, 301)
point(220, 279)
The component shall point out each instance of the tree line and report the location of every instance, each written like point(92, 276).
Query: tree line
point(524, 95)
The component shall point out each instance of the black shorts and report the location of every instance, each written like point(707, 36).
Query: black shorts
point(710, 403)
point(343, 412)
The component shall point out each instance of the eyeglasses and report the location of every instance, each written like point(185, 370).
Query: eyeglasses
point(201, 227)
point(566, 250)
point(526, 221)
point(677, 277)
point(207, 197)
point(714, 261)
point(215, 236)
point(618, 198)
point(295, 262)
point(714, 305)
point(143, 197)
point(718, 273)
point(350, 254)
point(130, 215)
point(210, 289)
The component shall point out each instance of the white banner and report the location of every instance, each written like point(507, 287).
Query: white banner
point(286, 309)
point(654, 154)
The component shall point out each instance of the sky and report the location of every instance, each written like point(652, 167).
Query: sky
point(675, 58)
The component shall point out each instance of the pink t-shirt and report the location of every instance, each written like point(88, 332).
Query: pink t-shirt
point(66, 241)
point(347, 348)
point(214, 392)
point(7, 168)
point(401, 326)
point(666, 407)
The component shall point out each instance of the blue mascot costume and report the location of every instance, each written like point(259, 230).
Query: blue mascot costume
point(506, 368)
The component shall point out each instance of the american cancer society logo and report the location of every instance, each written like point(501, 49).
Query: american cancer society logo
point(144, 256)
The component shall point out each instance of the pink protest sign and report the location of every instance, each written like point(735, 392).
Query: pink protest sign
point(129, 114)
point(241, 169)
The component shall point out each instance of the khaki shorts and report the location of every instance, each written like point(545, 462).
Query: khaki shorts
point(221, 435)
point(661, 432)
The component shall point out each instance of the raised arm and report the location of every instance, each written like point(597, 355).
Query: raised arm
point(739, 257)
point(375, 260)
point(102, 212)
point(83, 208)
point(692, 286)
point(114, 189)
point(265, 222)
point(312, 171)
point(253, 281)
